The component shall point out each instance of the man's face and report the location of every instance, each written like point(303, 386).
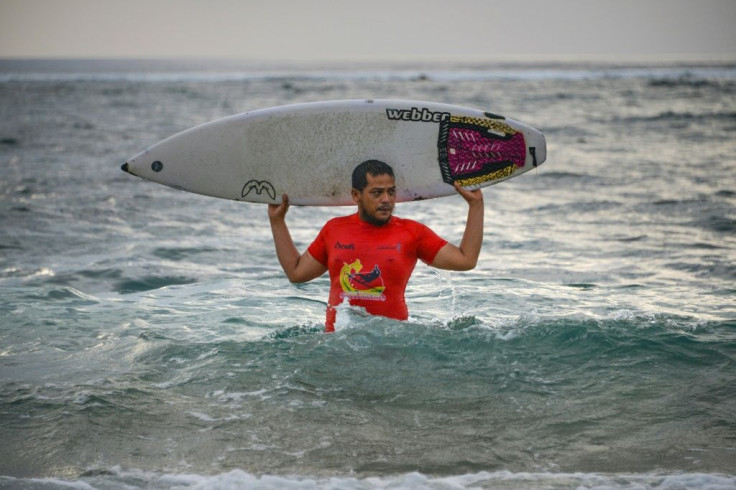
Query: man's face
point(377, 200)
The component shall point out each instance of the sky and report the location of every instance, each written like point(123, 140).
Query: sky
point(304, 30)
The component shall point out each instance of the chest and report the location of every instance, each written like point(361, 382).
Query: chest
point(392, 248)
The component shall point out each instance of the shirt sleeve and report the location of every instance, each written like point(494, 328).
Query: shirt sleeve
point(317, 249)
point(428, 244)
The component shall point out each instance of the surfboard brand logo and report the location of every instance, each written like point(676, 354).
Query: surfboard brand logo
point(345, 246)
point(259, 186)
point(416, 114)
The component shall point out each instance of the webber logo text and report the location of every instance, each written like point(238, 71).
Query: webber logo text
point(416, 114)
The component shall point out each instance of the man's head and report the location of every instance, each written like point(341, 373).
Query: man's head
point(369, 167)
point(374, 191)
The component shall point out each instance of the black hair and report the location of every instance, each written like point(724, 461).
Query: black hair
point(373, 167)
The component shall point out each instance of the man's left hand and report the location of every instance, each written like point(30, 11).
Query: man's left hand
point(470, 197)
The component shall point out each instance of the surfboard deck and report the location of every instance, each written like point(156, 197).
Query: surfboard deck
point(309, 151)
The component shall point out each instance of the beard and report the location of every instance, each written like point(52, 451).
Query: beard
point(375, 220)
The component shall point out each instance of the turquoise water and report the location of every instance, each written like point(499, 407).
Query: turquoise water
point(148, 337)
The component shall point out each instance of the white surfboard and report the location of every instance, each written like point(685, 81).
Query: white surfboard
point(309, 151)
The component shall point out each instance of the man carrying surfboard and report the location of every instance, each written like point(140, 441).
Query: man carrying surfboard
point(371, 254)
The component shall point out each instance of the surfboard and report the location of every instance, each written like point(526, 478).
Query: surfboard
point(309, 151)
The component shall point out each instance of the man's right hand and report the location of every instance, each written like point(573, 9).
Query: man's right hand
point(278, 211)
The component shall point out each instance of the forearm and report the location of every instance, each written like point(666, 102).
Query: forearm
point(465, 256)
point(286, 251)
point(472, 240)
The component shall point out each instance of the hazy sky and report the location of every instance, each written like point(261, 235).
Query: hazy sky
point(366, 29)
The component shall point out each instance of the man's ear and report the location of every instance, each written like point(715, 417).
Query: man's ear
point(356, 195)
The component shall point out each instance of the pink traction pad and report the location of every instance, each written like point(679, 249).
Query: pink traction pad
point(470, 150)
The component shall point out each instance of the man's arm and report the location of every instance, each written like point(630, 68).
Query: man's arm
point(298, 267)
point(465, 257)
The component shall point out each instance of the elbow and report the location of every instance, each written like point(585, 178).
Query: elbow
point(470, 263)
point(298, 277)
point(295, 279)
point(469, 266)
point(464, 265)
point(457, 263)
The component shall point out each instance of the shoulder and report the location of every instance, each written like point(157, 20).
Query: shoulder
point(338, 224)
point(409, 224)
point(340, 221)
point(422, 233)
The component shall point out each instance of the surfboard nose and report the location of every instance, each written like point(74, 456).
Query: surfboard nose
point(127, 167)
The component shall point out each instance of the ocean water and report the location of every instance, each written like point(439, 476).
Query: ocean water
point(149, 339)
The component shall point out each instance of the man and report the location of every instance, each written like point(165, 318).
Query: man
point(371, 254)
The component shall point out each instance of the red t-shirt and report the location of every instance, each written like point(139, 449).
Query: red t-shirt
point(371, 265)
